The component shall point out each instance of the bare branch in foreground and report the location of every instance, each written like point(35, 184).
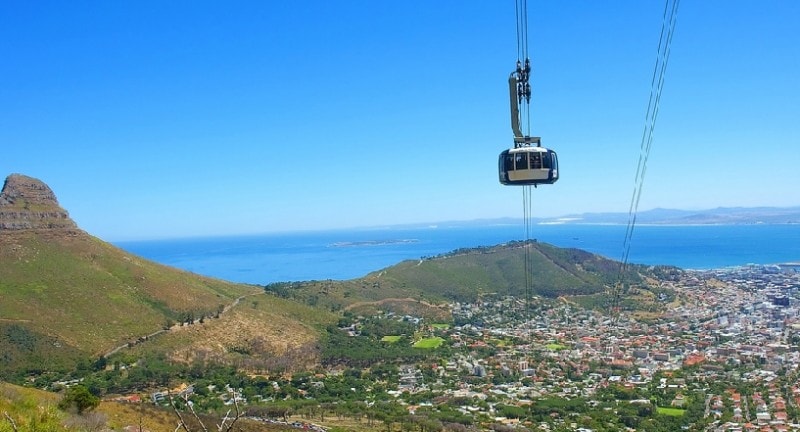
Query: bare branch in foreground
point(10, 420)
point(220, 427)
point(226, 418)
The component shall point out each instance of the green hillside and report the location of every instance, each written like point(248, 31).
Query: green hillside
point(501, 269)
point(69, 294)
point(465, 274)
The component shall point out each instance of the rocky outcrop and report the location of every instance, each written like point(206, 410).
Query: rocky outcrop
point(28, 203)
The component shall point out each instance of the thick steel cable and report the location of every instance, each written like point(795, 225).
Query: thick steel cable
point(524, 28)
point(525, 58)
point(527, 210)
point(669, 19)
point(517, 13)
point(521, 12)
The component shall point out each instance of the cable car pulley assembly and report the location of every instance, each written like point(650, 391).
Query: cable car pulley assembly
point(527, 163)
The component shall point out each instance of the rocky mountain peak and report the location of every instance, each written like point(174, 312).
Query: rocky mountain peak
point(28, 203)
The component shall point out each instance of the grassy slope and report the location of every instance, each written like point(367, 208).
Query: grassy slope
point(260, 330)
point(68, 297)
point(28, 407)
point(91, 295)
point(153, 418)
point(466, 274)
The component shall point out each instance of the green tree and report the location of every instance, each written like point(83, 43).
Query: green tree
point(79, 398)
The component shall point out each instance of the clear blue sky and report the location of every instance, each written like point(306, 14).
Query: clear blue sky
point(154, 119)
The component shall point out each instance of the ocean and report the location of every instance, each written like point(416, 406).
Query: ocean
point(348, 254)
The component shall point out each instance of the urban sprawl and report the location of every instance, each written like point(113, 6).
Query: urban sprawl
point(723, 351)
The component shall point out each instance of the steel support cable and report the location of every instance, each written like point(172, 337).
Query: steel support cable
point(526, 60)
point(517, 14)
point(527, 210)
point(521, 10)
point(669, 20)
point(524, 4)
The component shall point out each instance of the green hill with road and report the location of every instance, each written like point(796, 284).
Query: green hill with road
point(67, 295)
point(466, 274)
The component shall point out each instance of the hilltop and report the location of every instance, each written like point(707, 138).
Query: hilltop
point(465, 275)
point(28, 204)
point(68, 296)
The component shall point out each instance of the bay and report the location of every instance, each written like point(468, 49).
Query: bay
point(348, 254)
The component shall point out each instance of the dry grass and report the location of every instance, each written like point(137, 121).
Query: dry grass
point(242, 326)
point(26, 407)
point(134, 415)
point(349, 424)
point(257, 332)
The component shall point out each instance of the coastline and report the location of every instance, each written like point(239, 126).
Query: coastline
point(268, 258)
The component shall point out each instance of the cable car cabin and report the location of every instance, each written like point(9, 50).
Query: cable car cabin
point(528, 165)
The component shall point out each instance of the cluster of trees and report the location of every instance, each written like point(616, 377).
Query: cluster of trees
point(193, 316)
point(366, 348)
point(281, 289)
point(307, 293)
point(666, 273)
point(461, 251)
point(339, 348)
point(150, 371)
point(79, 399)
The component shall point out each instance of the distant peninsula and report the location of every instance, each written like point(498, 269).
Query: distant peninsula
point(372, 242)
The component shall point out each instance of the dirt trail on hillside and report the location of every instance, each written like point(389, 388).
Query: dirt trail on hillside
point(176, 326)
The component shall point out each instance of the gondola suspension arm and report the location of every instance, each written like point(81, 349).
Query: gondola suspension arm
point(519, 88)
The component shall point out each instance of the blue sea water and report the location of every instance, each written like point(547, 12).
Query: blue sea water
point(347, 254)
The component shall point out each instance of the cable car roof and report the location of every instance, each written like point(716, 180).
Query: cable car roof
point(528, 149)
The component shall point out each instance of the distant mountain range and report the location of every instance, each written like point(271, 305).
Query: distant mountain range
point(717, 216)
point(658, 216)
